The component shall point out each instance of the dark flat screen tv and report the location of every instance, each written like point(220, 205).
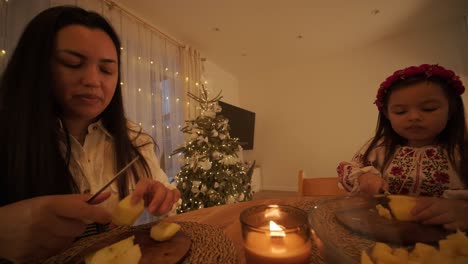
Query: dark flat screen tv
point(242, 123)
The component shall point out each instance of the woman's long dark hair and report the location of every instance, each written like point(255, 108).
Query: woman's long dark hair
point(451, 139)
point(30, 157)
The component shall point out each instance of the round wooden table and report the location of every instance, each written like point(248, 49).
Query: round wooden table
point(226, 217)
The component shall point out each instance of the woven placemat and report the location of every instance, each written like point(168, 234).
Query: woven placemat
point(209, 244)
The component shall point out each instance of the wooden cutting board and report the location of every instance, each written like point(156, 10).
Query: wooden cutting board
point(366, 221)
point(169, 252)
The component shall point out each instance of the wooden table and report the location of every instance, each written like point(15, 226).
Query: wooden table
point(226, 217)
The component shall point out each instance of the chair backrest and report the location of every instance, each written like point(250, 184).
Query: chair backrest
point(318, 186)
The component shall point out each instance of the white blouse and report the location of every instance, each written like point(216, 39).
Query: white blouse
point(93, 163)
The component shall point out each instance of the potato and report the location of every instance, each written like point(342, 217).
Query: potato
point(382, 253)
point(111, 254)
point(125, 213)
point(402, 254)
point(422, 252)
point(131, 256)
point(365, 259)
point(164, 230)
point(384, 212)
point(401, 207)
point(459, 243)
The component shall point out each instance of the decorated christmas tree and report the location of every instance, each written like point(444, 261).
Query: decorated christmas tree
point(212, 173)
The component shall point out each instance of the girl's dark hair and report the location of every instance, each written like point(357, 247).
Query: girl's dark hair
point(451, 139)
point(31, 161)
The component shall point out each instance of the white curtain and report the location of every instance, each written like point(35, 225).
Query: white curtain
point(157, 71)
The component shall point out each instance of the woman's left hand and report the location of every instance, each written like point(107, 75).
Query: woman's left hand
point(158, 198)
point(451, 213)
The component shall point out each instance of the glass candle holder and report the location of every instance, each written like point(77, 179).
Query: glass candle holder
point(275, 234)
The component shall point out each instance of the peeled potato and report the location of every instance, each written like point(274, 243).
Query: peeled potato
point(122, 250)
point(422, 252)
point(164, 230)
point(384, 212)
point(125, 213)
point(365, 259)
point(401, 207)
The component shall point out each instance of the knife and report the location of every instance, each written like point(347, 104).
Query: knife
point(90, 199)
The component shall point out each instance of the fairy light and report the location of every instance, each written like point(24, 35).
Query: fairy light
point(3, 52)
point(166, 69)
point(121, 48)
point(151, 62)
point(139, 58)
point(167, 97)
point(196, 84)
point(121, 83)
point(186, 79)
point(177, 100)
point(139, 89)
point(206, 82)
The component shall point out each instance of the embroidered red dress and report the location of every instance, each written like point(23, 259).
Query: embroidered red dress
point(424, 171)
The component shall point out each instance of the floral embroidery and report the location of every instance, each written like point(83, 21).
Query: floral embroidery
point(413, 171)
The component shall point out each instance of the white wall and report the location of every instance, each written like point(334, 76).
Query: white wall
point(221, 80)
point(314, 114)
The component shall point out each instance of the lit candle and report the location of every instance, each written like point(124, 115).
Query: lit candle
point(275, 243)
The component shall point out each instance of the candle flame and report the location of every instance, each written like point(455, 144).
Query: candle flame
point(276, 230)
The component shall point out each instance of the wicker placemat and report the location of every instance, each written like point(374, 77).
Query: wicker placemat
point(209, 244)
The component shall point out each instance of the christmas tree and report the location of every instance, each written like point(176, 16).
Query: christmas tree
point(212, 173)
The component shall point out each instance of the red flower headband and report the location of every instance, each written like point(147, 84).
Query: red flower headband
point(424, 69)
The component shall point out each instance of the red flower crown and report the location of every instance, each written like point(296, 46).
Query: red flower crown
point(426, 70)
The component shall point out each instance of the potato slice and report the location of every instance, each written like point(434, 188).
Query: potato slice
point(131, 256)
point(365, 259)
point(164, 231)
point(382, 253)
point(422, 252)
point(384, 212)
point(108, 254)
point(401, 206)
point(402, 254)
point(125, 213)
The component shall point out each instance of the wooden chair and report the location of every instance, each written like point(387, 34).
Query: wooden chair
point(318, 186)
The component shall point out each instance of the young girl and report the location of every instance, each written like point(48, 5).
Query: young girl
point(418, 145)
point(65, 135)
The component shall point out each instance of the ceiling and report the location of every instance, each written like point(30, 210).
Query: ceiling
point(242, 35)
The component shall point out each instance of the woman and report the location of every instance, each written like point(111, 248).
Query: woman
point(65, 135)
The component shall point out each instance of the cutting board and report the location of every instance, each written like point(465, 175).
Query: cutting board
point(366, 221)
point(169, 252)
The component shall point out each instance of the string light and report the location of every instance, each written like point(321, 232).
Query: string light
point(121, 83)
point(121, 48)
point(3, 52)
point(139, 89)
point(177, 100)
point(151, 62)
point(167, 97)
point(166, 69)
point(186, 79)
point(139, 57)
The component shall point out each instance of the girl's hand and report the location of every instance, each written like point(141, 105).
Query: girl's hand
point(40, 227)
point(451, 213)
point(158, 198)
point(371, 183)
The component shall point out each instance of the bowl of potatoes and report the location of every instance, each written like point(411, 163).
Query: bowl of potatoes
point(380, 229)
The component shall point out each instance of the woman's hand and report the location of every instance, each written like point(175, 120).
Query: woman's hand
point(451, 213)
point(158, 198)
point(371, 183)
point(40, 227)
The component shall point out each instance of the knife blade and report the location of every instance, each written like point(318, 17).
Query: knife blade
point(90, 199)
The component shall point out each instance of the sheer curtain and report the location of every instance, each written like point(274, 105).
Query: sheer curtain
point(157, 71)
